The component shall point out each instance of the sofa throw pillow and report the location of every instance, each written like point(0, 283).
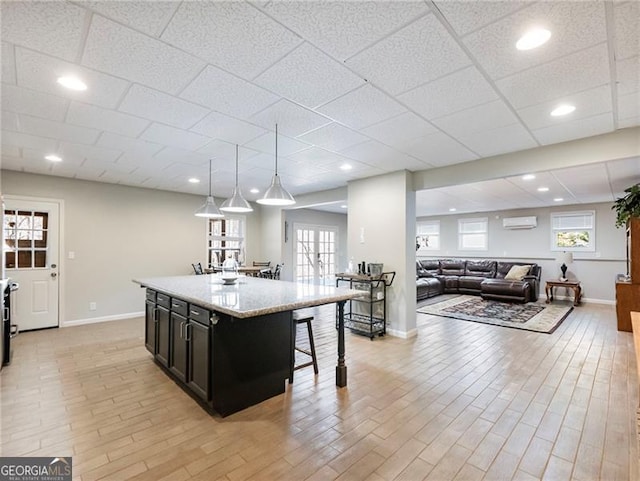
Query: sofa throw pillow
point(516, 273)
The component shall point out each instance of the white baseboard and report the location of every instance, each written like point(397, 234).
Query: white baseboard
point(585, 300)
point(402, 334)
point(95, 320)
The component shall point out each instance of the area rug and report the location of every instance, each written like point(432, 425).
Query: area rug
point(533, 316)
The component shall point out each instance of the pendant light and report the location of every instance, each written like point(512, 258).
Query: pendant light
point(209, 208)
point(236, 203)
point(276, 194)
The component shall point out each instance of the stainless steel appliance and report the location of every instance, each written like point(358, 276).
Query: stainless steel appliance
point(8, 330)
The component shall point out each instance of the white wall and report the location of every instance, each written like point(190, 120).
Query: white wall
point(119, 233)
point(596, 271)
point(314, 217)
point(381, 224)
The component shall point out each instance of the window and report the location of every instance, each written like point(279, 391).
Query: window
point(573, 231)
point(226, 238)
point(26, 236)
point(428, 235)
point(473, 234)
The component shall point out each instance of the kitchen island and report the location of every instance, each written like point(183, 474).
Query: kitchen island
point(231, 346)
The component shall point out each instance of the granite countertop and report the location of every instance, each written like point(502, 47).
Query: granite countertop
point(249, 296)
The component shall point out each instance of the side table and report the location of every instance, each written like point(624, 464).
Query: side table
point(574, 285)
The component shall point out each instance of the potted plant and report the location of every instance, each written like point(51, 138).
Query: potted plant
point(628, 206)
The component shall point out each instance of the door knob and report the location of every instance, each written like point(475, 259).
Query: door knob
point(53, 274)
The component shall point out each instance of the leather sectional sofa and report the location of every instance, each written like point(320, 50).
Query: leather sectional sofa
point(485, 278)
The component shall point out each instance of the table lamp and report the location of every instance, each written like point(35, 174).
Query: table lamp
point(564, 258)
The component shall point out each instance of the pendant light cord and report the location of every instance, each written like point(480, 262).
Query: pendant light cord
point(209, 177)
point(236, 165)
point(276, 150)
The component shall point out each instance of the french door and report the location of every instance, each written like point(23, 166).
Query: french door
point(31, 258)
point(315, 253)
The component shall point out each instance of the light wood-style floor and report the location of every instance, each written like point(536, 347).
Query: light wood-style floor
point(461, 401)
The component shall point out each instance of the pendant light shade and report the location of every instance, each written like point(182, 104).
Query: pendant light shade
point(209, 208)
point(276, 194)
point(236, 203)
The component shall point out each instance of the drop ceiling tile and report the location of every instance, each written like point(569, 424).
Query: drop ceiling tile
point(9, 151)
point(588, 103)
point(318, 78)
point(398, 130)
point(466, 17)
point(229, 129)
point(30, 102)
point(405, 60)
point(573, 26)
point(70, 151)
point(628, 75)
point(148, 17)
point(292, 119)
point(77, 172)
point(57, 130)
point(135, 147)
point(333, 137)
point(160, 107)
point(577, 129)
point(146, 162)
point(623, 173)
point(438, 149)
point(627, 37)
point(378, 155)
point(342, 29)
point(629, 107)
point(8, 64)
point(266, 143)
point(181, 156)
point(227, 93)
point(39, 72)
point(317, 157)
point(112, 48)
point(110, 169)
point(455, 92)
point(584, 180)
point(19, 139)
point(231, 34)
point(10, 121)
point(55, 28)
point(580, 71)
point(483, 117)
point(362, 107)
point(105, 119)
point(226, 152)
point(172, 137)
point(509, 138)
point(10, 162)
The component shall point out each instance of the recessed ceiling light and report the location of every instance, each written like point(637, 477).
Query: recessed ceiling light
point(543, 189)
point(528, 177)
point(558, 199)
point(533, 38)
point(561, 110)
point(53, 158)
point(343, 206)
point(193, 180)
point(255, 191)
point(453, 209)
point(346, 167)
point(72, 83)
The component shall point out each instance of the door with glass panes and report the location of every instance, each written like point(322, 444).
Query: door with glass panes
point(31, 259)
point(315, 254)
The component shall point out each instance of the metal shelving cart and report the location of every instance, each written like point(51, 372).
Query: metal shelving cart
point(366, 315)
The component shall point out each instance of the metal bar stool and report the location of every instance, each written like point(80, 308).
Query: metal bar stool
point(301, 318)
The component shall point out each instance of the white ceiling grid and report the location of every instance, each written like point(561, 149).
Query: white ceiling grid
point(382, 85)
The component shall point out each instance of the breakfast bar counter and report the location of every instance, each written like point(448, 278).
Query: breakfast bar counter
point(230, 346)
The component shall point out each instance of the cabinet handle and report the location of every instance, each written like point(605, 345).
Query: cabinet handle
point(182, 326)
point(155, 314)
point(176, 305)
point(187, 337)
point(194, 313)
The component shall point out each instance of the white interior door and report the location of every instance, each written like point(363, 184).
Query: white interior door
point(315, 254)
point(31, 232)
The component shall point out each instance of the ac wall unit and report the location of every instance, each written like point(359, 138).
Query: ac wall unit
point(520, 222)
